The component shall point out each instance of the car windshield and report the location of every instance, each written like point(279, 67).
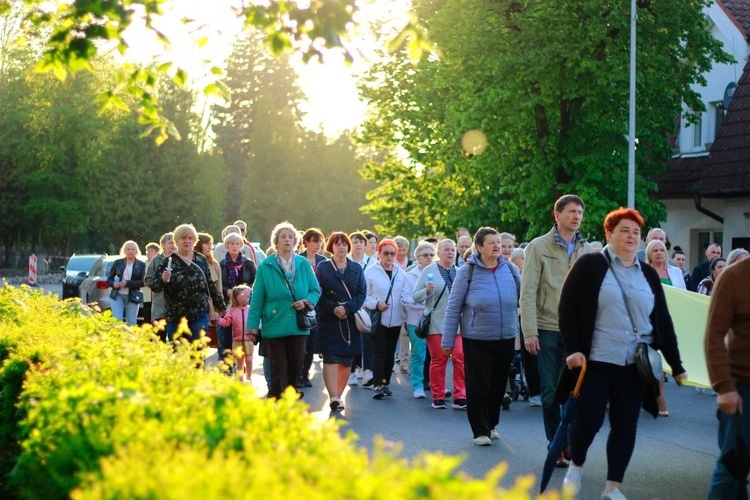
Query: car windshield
point(78, 264)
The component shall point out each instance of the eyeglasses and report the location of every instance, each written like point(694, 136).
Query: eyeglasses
point(430, 255)
point(388, 253)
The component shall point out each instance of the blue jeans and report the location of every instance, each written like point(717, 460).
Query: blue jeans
point(550, 361)
point(416, 364)
point(723, 484)
point(123, 309)
point(194, 326)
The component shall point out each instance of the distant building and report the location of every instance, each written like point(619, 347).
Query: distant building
point(706, 187)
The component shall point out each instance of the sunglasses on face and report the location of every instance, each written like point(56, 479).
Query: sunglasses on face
point(388, 253)
point(427, 255)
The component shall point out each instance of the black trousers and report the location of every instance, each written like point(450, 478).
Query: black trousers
point(285, 355)
point(622, 388)
point(384, 349)
point(486, 366)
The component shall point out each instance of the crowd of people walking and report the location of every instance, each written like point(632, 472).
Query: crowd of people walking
point(471, 308)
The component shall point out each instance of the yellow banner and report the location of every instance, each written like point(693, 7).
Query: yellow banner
point(689, 312)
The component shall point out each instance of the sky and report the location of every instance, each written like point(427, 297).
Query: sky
point(333, 104)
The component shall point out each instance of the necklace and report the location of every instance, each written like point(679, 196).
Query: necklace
point(348, 337)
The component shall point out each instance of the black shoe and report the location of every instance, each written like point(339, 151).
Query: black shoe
point(379, 393)
point(439, 404)
point(387, 391)
point(506, 402)
point(304, 382)
point(368, 383)
point(459, 404)
point(448, 393)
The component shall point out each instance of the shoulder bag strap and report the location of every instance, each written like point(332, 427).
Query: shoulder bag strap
point(289, 285)
point(624, 296)
point(439, 297)
point(391, 288)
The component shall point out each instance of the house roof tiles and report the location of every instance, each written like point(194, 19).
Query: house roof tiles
point(725, 172)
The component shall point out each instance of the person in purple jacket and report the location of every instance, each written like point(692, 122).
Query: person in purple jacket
point(484, 303)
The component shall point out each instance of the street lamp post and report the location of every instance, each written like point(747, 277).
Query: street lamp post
point(631, 121)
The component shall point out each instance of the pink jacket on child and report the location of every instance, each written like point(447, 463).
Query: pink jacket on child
point(236, 317)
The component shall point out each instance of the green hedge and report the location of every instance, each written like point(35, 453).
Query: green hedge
point(91, 409)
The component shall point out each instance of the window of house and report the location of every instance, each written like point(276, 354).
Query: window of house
point(719, 113)
point(698, 132)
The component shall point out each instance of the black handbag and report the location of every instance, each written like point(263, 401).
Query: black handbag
point(423, 327)
point(307, 319)
point(376, 314)
point(135, 296)
point(649, 364)
point(374, 321)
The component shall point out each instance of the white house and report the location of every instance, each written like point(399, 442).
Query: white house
point(706, 188)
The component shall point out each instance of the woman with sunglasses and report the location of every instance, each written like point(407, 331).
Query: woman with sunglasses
point(434, 288)
point(385, 284)
point(424, 254)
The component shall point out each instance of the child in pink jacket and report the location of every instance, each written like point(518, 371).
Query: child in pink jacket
point(236, 317)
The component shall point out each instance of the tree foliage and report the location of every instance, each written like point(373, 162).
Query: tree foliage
point(547, 82)
point(73, 178)
point(277, 169)
point(76, 32)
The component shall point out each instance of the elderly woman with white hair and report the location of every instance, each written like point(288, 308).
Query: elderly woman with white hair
point(424, 254)
point(285, 283)
point(126, 276)
point(236, 269)
point(184, 279)
point(434, 287)
point(737, 255)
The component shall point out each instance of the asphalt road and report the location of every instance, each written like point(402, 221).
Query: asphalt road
point(673, 459)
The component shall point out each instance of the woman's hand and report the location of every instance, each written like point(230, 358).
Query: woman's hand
point(430, 287)
point(340, 312)
point(166, 275)
point(679, 379)
point(448, 351)
point(302, 304)
point(575, 360)
point(383, 306)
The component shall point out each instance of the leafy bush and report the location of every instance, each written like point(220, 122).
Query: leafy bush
point(96, 410)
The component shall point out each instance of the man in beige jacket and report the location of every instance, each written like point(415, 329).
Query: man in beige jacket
point(548, 259)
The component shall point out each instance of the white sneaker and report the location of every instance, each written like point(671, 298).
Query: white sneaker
point(353, 379)
point(615, 494)
point(367, 379)
point(482, 441)
point(572, 481)
point(535, 400)
point(419, 394)
point(358, 372)
point(494, 434)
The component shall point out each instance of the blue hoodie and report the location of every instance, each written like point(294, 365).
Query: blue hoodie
point(487, 308)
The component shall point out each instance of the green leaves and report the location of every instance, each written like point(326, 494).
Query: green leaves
point(547, 83)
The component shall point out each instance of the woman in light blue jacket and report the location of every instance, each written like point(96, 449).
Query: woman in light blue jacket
point(484, 302)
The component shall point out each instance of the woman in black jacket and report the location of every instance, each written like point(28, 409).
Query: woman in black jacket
point(610, 302)
point(126, 279)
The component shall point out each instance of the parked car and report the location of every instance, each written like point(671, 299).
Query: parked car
point(76, 270)
point(94, 290)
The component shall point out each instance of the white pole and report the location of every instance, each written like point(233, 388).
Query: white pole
point(631, 122)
